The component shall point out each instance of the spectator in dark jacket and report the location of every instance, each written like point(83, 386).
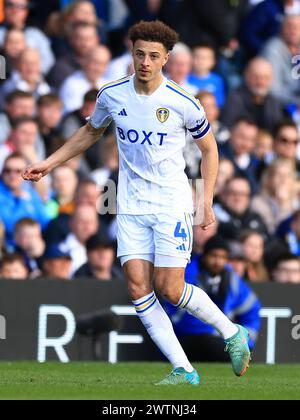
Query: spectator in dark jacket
point(228, 291)
point(101, 256)
point(40, 11)
point(233, 211)
point(240, 150)
point(30, 244)
point(149, 10)
point(214, 21)
point(49, 117)
point(253, 99)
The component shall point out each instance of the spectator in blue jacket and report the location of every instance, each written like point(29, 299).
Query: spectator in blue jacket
point(17, 198)
point(262, 23)
point(229, 292)
point(233, 210)
point(203, 77)
point(289, 234)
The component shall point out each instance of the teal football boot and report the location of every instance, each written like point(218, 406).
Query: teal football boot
point(181, 376)
point(239, 352)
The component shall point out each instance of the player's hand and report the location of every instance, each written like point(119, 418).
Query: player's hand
point(36, 171)
point(208, 217)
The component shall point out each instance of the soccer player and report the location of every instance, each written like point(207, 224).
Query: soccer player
point(155, 205)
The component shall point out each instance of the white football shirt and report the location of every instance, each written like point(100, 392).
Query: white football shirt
point(151, 135)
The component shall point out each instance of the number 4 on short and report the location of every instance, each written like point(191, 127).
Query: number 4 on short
point(180, 232)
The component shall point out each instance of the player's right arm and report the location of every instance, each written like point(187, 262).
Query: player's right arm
point(84, 138)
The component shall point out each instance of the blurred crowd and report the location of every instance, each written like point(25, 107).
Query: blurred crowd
point(240, 58)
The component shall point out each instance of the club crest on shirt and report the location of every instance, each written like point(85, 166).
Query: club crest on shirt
point(162, 114)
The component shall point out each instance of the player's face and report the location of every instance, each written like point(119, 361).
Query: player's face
point(149, 59)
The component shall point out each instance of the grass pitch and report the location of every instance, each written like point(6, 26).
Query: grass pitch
point(134, 381)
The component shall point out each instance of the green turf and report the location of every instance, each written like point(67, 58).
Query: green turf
point(133, 381)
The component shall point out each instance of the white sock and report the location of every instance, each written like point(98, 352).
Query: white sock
point(198, 304)
point(160, 329)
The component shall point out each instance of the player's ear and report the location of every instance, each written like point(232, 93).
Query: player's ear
point(166, 58)
point(132, 49)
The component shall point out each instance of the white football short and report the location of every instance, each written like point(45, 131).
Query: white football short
point(163, 239)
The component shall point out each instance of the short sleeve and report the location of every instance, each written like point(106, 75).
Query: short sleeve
point(196, 121)
point(101, 116)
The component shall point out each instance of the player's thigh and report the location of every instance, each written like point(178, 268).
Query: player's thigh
point(136, 252)
point(134, 235)
point(173, 237)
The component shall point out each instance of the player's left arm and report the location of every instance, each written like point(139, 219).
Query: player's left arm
point(209, 171)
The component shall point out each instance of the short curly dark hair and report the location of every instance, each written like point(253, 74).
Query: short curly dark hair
point(154, 31)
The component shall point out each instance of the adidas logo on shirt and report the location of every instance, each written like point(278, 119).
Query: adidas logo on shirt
point(123, 113)
point(181, 248)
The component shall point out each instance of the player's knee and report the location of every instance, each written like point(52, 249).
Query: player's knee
point(168, 291)
point(137, 291)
